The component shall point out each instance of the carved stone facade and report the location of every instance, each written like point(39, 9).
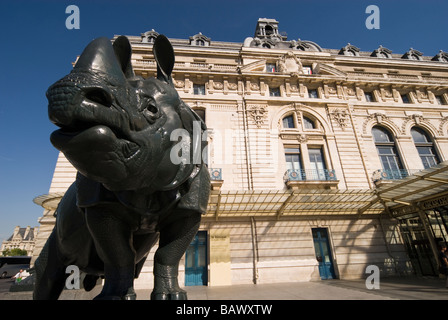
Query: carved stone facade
point(22, 238)
point(270, 100)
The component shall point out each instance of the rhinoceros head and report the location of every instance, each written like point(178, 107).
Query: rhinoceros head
point(114, 127)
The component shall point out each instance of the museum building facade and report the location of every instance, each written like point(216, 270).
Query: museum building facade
point(322, 161)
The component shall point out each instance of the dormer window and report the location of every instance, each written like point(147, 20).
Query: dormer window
point(200, 40)
point(382, 52)
point(149, 36)
point(349, 50)
point(413, 54)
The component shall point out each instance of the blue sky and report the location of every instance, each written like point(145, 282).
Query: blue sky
point(36, 49)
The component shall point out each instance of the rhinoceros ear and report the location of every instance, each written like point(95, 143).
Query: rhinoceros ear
point(123, 51)
point(164, 55)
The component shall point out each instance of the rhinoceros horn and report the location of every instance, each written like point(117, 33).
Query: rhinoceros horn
point(101, 56)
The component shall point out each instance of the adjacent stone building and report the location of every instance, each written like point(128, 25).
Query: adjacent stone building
point(22, 238)
point(323, 161)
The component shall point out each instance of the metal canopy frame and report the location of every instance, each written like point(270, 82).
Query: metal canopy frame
point(424, 185)
point(284, 203)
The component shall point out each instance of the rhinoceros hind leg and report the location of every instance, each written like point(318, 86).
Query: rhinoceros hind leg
point(50, 272)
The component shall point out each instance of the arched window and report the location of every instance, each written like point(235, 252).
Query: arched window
point(387, 151)
point(308, 123)
point(269, 30)
point(425, 147)
point(288, 122)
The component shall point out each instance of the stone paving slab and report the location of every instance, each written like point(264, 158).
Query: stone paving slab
point(406, 288)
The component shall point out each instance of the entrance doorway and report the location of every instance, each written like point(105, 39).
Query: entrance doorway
point(196, 261)
point(323, 253)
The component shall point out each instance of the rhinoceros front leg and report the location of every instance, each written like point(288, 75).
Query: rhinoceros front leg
point(174, 240)
point(112, 236)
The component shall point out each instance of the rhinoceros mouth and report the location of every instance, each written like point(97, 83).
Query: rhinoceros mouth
point(95, 138)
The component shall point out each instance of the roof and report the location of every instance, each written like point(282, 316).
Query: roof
point(306, 203)
point(415, 190)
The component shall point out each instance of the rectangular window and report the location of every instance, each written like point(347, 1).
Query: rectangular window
point(271, 67)
point(199, 89)
point(405, 98)
point(312, 93)
point(293, 161)
point(369, 96)
point(318, 168)
point(440, 100)
point(274, 92)
point(307, 70)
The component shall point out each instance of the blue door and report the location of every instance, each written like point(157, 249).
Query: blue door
point(323, 253)
point(196, 261)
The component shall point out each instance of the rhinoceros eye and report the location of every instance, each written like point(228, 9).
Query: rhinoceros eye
point(151, 107)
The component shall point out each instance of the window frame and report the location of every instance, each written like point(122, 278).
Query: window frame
point(387, 157)
point(429, 144)
point(370, 95)
point(311, 96)
point(275, 92)
point(199, 86)
point(294, 123)
point(405, 98)
point(289, 150)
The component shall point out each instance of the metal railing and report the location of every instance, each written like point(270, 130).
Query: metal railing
point(215, 173)
point(397, 174)
point(310, 175)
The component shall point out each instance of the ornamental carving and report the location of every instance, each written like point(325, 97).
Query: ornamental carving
point(232, 86)
point(442, 123)
point(254, 87)
point(302, 138)
point(218, 85)
point(378, 116)
point(258, 114)
point(342, 117)
point(418, 119)
point(179, 83)
point(289, 63)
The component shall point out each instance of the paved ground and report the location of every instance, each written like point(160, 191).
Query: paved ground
point(405, 288)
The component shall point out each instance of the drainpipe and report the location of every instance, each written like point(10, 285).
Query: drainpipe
point(253, 228)
point(247, 145)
